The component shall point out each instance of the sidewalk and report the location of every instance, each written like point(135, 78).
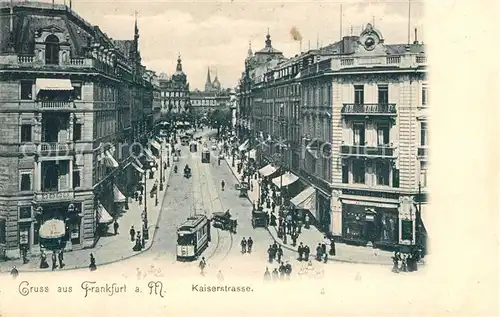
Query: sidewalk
point(312, 236)
point(110, 248)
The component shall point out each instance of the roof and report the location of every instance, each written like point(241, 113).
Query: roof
point(124, 46)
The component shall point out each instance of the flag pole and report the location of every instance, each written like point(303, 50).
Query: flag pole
point(341, 21)
point(409, 20)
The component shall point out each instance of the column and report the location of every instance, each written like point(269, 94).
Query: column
point(336, 216)
point(38, 176)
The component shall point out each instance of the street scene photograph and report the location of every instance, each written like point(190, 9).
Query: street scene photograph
point(216, 141)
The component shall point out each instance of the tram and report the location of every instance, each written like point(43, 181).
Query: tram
point(205, 155)
point(192, 238)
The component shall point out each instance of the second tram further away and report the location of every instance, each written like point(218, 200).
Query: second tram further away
point(192, 238)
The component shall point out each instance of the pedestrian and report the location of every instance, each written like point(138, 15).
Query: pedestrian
point(202, 266)
point(273, 206)
point(270, 254)
point(115, 227)
point(294, 238)
point(288, 270)
point(273, 220)
point(306, 222)
point(136, 196)
point(267, 275)
point(249, 244)
point(307, 251)
point(61, 259)
point(275, 274)
point(140, 199)
point(243, 245)
point(333, 252)
point(325, 257)
point(92, 265)
point(43, 261)
point(282, 270)
point(279, 253)
point(220, 276)
point(395, 263)
point(132, 233)
point(319, 252)
point(222, 185)
point(14, 272)
point(300, 249)
point(299, 226)
point(54, 260)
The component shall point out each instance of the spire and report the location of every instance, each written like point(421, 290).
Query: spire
point(179, 63)
point(209, 80)
point(216, 75)
point(268, 39)
point(136, 28)
point(250, 53)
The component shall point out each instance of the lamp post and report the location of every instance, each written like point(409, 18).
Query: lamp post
point(161, 166)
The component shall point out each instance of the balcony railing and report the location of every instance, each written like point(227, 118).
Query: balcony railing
point(357, 150)
point(55, 105)
point(369, 109)
point(422, 152)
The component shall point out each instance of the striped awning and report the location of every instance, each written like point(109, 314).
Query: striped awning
point(243, 146)
point(252, 154)
point(285, 179)
point(52, 229)
point(110, 160)
point(104, 216)
point(137, 168)
point(58, 84)
point(118, 196)
point(306, 199)
point(149, 154)
point(156, 145)
point(267, 170)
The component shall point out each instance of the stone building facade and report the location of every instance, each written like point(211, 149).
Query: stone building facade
point(174, 91)
point(73, 101)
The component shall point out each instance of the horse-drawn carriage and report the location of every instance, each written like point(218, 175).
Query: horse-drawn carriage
point(223, 220)
point(260, 218)
point(187, 171)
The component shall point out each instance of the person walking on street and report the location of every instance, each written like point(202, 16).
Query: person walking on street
point(115, 227)
point(270, 254)
point(307, 251)
point(333, 252)
point(54, 260)
point(288, 270)
point(43, 261)
point(222, 184)
point(306, 222)
point(14, 272)
point(300, 249)
point(319, 251)
point(220, 276)
point(282, 270)
point(202, 266)
point(279, 253)
point(140, 199)
point(249, 244)
point(132, 233)
point(61, 259)
point(275, 274)
point(294, 238)
point(92, 265)
point(243, 245)
point(267, 275)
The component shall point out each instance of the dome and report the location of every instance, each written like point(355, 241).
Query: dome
point(179, 74)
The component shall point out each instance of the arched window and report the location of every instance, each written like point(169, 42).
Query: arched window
point(52, 50)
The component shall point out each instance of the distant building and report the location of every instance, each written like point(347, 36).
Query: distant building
point(212, 86)
point(212, 97)
point(174, 91)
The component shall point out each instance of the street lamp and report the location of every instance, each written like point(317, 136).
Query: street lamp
point(161, 166)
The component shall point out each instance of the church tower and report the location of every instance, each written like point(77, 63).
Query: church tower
point(208, 83)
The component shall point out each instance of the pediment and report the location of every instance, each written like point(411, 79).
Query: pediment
point(52, 29)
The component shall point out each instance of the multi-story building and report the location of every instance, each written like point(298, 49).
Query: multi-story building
point(174, 91)
point(69, 98)
point(203, 102)
point(363, 127)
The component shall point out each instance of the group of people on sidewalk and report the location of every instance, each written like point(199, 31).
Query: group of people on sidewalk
point(405, 262)
point(284, 271)
point(246, 245)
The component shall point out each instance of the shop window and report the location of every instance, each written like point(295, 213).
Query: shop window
point(395, 178)
point(25, 212)
point(2, 231)
point(359, 94)
point(359, 134)
point(24, 234)
point(383, 173)
point(423, 174)
point(76, 179)
point(407, 230)
point(345, 173)
point(358, 171)
point(26, 132)
point(52, 50)
point(36, 229)
point(383, 94)
point(388, 227)
point(423, 133)
point(77, 132)
point(26, 90)
point(25, 181)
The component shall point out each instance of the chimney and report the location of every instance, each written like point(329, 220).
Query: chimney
point(416, 37)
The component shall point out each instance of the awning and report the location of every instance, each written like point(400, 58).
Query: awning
point(137, 168)
point(52, 229)
point(53, 84)
point(306, 199)
point(138, 163)
point(118, 196)
point(267, 170)
point(110, 160)
point(156, 145)
point(285, 179)
point(149, 154)
point(243, 146)
point(252, 154)
point(104, 216)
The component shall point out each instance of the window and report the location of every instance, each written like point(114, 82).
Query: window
point(25, 212)
point(77, 92)
point(407, 230)
point(359, 94)
point(25, 181)
point(423, 174)
point(395, 178)
point(2, 231)
point(424, 95)
point(383, 94)
point(423, 133)
point(52, 50)
point(359, 134)
point(77, 132)
point(382, 134)
point(25, 132)
point(358, 171)
point(383, 173)
point(26, 90)
point(345, 173)
point(76, 179)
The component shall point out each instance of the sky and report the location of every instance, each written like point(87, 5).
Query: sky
point(217, 34)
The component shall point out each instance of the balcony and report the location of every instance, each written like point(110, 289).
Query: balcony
point(55, 105)
point(422, 152)
point(367, 151)
point(351, 109)
point(49, 196)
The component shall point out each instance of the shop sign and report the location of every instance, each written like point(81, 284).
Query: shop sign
point(367, 193)
point(55, 196)
point(24, 237)
point(74, 234)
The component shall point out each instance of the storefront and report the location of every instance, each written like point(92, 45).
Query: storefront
point(323, 211)
point(119, 199)
point(364, 222)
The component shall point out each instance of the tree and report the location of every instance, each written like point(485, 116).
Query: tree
point(220, 119)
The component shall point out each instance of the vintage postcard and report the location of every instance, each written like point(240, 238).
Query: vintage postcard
point(168, 158)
